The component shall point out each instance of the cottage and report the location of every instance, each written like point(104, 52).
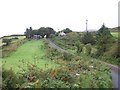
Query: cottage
point(45, 36)
point(36, 37)
point(62, 34)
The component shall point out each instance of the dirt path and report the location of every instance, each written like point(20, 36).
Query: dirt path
point(115, 70)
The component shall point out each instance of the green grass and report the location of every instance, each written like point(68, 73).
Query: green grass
point(13, 40)
point(10, 37)
point(115, 34)
point(31, 52)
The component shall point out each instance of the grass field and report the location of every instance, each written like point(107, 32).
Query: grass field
point(32, 52)
point(10, 37)
point(115, 34)
point(15, 40)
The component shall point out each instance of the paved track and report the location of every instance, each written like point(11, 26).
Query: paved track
point(55, 46)
point(115, 70)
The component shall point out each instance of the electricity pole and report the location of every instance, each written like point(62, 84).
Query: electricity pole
point(86, 25)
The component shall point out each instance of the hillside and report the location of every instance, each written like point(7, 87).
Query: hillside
point(115, 29)
point(38, 65)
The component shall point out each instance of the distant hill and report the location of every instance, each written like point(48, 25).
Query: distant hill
point(115, 29)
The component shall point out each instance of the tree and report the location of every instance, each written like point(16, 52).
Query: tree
point(104, 39)
point(67, 30)
point(30, 28)
point(46, 31)
point(41, 31)
point(49, 31)
point(28, 32)
point(88, 38)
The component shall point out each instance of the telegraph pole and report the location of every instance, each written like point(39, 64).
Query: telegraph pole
point(86, 25)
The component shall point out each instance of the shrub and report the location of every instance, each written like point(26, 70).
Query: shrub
point(15, 38)
point(79, 47)
point(93, 51)
point(53, 83)
point(9, 79)
point(52, 53)
point(67, 56)
point(63, 74)
point(88, 38)
point(7, 41)
point(104, 40)
point(65, 77)
point(57, 78)
point(77, 58)
point(67, 30)
point(25, 79)
point(113, 51)
point(52, 36)
point(88, 49)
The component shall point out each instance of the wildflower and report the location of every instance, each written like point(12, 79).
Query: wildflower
point(91, 66)
point(77, 74)
point(76, 85)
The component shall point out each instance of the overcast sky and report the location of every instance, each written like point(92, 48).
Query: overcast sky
point(17, 15)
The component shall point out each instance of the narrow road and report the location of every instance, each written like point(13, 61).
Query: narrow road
point(115, 70)
point(55, 46)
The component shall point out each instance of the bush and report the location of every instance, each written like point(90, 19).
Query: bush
point(67, 30)
point(52, 53)
point(79, 47)
point(52, 36)
point(113, 51)
point(24, 79)
point(66, 77)
point(88, 49)
point(88, 38)
point(67, 56)
point(53, 83)
point(15, 38)
point(7, 41)
point(104, 40)
point(9, 79)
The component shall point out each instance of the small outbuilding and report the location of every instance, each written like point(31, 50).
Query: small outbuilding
point(61, 34)
point(45, 36)
point(36, 36)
